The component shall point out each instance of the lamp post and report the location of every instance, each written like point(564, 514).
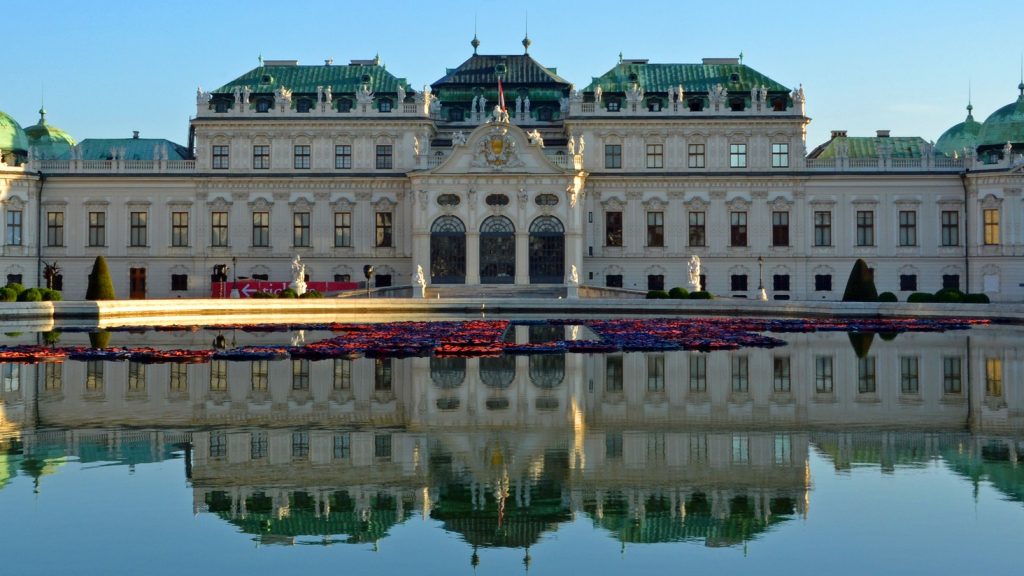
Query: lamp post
point(368, 272)
point(234, 276)
point(761, 294)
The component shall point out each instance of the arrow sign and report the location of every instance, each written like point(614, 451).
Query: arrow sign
point(246, 291)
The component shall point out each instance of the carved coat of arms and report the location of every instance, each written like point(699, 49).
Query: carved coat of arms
point(497, 150)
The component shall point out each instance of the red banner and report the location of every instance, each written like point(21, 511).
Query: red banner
point(246, 288)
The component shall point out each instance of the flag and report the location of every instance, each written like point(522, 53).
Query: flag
point(501, 96)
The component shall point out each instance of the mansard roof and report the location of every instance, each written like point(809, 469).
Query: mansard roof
point(132, 148)
point(871, 147)
point(520, 70)
point(654, 78)
point(344, 78)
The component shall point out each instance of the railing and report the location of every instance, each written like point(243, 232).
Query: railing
point(114, 166)
point(417, 109)
point(886, 164)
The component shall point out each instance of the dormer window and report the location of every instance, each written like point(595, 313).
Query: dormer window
point(365, 78)
point(654, 105)
point(545, 114)
point(344, 105)
point(221, 106)
point(612, 105)
point(734, 77)
point(737, 104)
point(384, 105)
point(455, 114)
point(633, 77)
point(779, 104)
point(263, 105)
point(266, 79)
point(304, 105)
point(695, 104)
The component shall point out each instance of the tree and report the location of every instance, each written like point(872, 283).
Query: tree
point(101, 287)
point(861, 285)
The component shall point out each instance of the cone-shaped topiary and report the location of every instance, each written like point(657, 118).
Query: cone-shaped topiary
point(861, 285)
point(100, 339)
point(861, 342)
point(101, 287)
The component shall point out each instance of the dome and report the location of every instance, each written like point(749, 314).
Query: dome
point(1004, 125)
point(12, 138)
point(961, 137)
point(47, 141)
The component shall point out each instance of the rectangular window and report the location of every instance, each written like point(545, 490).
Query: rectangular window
point(261, 157)
point(94, 375)
point(780, 283)
point(300, 444)
point(822, 228)
point(302, 154)
point(261, 229)
point(865, 228)
point(342, 229)
point(738, 282)
point(382, 375)
point(737, 228)
point(950, 228)
point(951, 281)
point(655, 156)
point(698, 373)
point(655, 228)
point(908, 228)
point(342, 446)
point(780, 155)
point(655, 372)
point(218, 376)
point(53, 377)
point(342, 374)
point(178, 383)
point(138, 229)
point(613, 156)
point(382, 446)
point(994, 377)
point(740, 372)
point(613, 446)
point(698, 450)
point(991, 217)
point(783, 449)
point(220, 157)
point(97, 228)
point(823, 374)
point(740, 449)
point(613, 228)
point(697, 235)
point(54, 228)
point(613, 280)
point(383, 236)
point(219, 229)
point(218, 444)
point(384, 161)
point(780, 229)
point(300, 229)
point(866, 382)
point(908, 282)
point(909, 382)
point(179, 229)
point(300, 374)
point(259, 375)
point(737, 155)
point(613, 374)
point(343, 157)
point(695, 155)
point(14, 227)
point(782, 374)
point(655, 281)
point(136, 377)
point(258, 445)
point(952, 377)
point(179, 282)
point(823, 282)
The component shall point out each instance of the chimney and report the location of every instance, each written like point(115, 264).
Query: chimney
point(328, 61)
point(882, 133)
point(838, 134)
point(135, 134)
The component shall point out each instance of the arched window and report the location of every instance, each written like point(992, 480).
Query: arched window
point(447, 373)
point(547, 251)
point(498, 372)
point(497, 249)
point(448, 251)
point(384, 105)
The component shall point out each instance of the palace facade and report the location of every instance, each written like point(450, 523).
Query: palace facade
point(613, 187)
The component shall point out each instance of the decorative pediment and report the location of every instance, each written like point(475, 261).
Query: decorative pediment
point(384, 204)
point(301, 204)
point(906, 202)
point(655, 204)
point(780, 204)
point(261, 204)
point(218, 204)
point(822, 202)
point(14, 203)
point(613, 204)
point(496, 147)
point(991, 201)
point(344, 205)
point(865, 202)
point(738, 204)
point(696, 204)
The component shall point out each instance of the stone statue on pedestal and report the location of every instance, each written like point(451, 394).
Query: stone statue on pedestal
point(299, 275)
point(419, 282)
point(694, 274)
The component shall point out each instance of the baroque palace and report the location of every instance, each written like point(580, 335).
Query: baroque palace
point(504, 173)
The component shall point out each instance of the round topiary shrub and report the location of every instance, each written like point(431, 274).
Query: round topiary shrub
point(702, 295)
point(678, 293)
point(31, 295)
point(312, 294)
point(264, 294)
point(976, 299)
point(18, 288)
point(887, 297)
point(949, 296)
point(657, 295)
point(921, 298)
point(7, 294)
point(288, 293)
point(51, 295)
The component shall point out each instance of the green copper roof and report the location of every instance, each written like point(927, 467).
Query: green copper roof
point(134, 148)
point(47, 141)
point(961, 137)
point(870, 147)
point(12, 137)
point(1004, 125)
point(654, 78)
point(521, 70)
point(343, 79)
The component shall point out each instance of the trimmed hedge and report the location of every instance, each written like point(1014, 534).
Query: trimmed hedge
point(702, 295)
point(657, 295)
point(264, 294)
point(18, 288)
point(7, 294)
point(887, 297)
point(949, 296)
point(312, 294)
point(920, 298)
point(31, 295)
point(976, 299)
point(678, 293)
point(288, 293)
point(51, 295)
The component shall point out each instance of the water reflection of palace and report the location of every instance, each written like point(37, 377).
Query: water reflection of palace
point(653, 447)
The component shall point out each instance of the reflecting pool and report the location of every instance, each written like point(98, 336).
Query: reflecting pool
point(836, 453)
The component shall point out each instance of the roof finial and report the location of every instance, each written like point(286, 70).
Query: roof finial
point(1021, 85)
point(526, 37)
point(476, 42)
point(741, 56)
point(970, 107)
point(620, 56)
point(42, 104)
point(260, 58)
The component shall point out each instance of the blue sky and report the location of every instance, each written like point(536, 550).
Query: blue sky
point(110, 67)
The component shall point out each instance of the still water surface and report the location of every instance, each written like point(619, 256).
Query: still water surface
point(795, 460)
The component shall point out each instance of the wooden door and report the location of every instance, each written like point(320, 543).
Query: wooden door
point(137, 283)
